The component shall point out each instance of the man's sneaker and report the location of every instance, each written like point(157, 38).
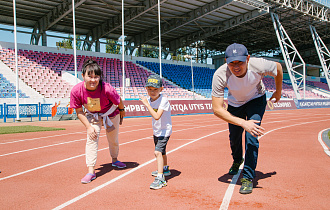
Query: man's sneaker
point(166, 172)
point(158, 183)
point(235, 167)
point(247, 186)
point(88, 178)
point(119, 164)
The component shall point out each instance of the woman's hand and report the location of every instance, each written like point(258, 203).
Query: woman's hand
point(91, 133)
point(122, 114)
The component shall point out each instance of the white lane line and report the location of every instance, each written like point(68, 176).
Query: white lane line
point(125, 174)
point(83, 132)
point(44, 137)
point(229, 192)
point(60, 161)
point(27, 150)
point(67, 142)
point(326, 149)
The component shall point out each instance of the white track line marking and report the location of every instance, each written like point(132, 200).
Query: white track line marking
point(82, 132)
point(60, 161)
point(27, 150)
point(45, 137)
point(125, 174)
point(326, 149)
point(65, 134)
point(229, 192)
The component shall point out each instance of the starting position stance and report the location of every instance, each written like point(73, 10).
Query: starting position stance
point(242, 76)
point(102, 105)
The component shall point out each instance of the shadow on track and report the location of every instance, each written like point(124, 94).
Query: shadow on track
point(106, 168)
point(226, 178)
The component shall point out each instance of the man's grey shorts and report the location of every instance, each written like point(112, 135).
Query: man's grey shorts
point(160, 144)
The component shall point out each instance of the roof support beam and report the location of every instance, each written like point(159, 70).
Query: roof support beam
point(189, 17)
point(57, 14)
point(209, 32)
point(130, 14)
point(308, 7)
point(322, 52)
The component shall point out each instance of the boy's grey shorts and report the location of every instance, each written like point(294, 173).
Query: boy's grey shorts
point(160, 144)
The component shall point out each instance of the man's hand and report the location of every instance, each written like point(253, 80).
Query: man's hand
point(251, 127)
point(276, 95)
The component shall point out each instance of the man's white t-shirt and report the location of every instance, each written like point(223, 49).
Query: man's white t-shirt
point(163, 126)
point(247, 88)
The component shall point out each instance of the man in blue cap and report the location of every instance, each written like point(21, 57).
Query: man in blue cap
point(242, 75)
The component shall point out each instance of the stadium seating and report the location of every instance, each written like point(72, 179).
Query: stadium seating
point(181, 75)
point(35, 69)
point(42, 71)
point(287, 90)
point(8, 90)
point(318, 84)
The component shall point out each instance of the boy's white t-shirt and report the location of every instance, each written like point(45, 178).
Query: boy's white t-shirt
point(163, 126)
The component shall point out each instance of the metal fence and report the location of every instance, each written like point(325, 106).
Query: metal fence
point(25, 111)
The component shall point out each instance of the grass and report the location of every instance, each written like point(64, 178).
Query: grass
point(25, 129)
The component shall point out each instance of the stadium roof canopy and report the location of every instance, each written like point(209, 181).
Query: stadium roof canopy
point(217, 23)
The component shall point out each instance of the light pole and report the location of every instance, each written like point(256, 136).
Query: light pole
point(192, 74)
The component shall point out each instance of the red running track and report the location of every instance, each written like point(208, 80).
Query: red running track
point(43, 170)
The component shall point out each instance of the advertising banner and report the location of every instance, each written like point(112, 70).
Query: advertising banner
point(136, 108)
point(281, 105)
point(312, 103)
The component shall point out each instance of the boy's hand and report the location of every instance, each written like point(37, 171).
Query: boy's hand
point(144, 100)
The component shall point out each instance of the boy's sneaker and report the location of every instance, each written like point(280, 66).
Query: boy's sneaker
point(166, 172)
point(119, 164)
point(247, 186)
point(88, 178)
point(158, 183)
point(235, 167)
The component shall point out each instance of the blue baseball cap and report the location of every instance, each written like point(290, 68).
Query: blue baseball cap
point(236, 52)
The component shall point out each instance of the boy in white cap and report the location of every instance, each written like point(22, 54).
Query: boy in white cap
point(242, 76)
point(160, 110)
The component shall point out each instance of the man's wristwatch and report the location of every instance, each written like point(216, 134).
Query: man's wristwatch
point(121, 110)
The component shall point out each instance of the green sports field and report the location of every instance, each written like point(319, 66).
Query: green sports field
point(25, 129)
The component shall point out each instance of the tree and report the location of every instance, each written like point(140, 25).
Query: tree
point(112, 47)
point(67, 43)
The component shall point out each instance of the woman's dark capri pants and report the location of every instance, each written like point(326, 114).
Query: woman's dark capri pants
point(252, 110)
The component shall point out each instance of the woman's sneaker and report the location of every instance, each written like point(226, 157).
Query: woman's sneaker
point(158, 183)
point(88, 178)
point(166, 172)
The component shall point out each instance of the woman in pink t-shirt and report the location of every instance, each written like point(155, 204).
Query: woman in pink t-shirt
point(102, 105)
